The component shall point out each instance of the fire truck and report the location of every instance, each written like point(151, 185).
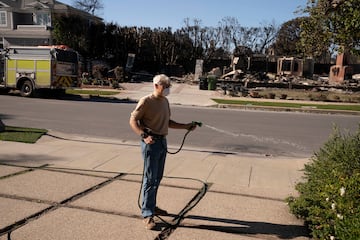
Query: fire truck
point(29, 69)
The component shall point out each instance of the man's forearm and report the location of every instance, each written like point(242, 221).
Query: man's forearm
point(135, 127)
point(176, 125)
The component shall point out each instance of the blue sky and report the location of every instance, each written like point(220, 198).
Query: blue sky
point(170, 13)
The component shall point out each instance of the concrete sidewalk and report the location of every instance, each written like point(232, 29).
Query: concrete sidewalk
point(76, 187)
point(83, 188)
point(180, 94)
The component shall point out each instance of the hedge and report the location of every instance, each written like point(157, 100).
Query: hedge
point(329, 196)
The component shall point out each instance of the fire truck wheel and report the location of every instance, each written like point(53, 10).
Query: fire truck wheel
point(27, 89)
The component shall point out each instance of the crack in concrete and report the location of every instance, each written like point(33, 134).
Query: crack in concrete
point(165, 233)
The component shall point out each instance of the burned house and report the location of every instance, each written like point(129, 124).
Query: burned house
point(341, 70)
point(297, 67)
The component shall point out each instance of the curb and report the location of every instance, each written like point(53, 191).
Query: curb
point(288, 109)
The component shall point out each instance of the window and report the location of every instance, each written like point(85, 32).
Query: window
point(3, 21)
point(42, 19)
point(286, 65)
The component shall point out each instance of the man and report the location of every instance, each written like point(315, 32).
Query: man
point(151, 120)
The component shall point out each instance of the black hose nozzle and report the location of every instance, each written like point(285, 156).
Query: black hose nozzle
point(197, 123)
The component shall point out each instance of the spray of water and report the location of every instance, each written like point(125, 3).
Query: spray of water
point(255, 138)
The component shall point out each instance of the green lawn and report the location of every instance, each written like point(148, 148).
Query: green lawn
point(90, 92)
point(20, 134)
point(329, 106)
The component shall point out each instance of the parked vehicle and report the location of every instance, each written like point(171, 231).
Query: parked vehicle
point(30, 69)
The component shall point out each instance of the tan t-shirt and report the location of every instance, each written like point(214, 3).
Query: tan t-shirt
point(154, 113)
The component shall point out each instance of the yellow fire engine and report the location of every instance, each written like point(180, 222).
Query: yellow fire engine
point(31, 68)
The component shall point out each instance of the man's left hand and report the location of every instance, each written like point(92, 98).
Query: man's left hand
point(190, 126)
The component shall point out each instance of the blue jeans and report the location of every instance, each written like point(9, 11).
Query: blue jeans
point(154, 156)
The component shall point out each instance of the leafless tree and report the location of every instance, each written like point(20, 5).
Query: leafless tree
point(266, 36)
point(89, 6)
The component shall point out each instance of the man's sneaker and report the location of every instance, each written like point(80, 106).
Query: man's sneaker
point(159, 211)
point(149, 223)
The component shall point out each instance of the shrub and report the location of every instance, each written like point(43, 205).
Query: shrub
point(283, 96)
point(329, 198)
point(271, 95)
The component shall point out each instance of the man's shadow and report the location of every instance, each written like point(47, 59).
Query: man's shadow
point(247, 227)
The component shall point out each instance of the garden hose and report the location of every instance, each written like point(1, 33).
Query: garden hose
point(194, 123)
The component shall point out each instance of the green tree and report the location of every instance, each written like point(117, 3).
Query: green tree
point(331, 24)
point(75, 32)
point(69, 30)
point(288, 38)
